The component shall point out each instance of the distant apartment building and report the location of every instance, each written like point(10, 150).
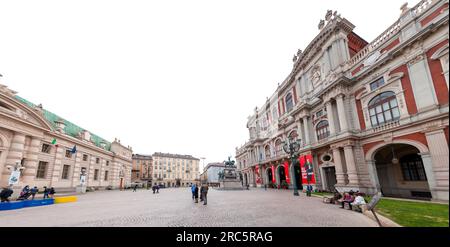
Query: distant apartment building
point(141, 168)
point(175, 170)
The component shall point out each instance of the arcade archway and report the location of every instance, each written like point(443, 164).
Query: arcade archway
point(400, 171)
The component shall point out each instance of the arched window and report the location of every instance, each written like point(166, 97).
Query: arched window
point(322, 130)
point(412, 168)
point(383, 108)
point(267, 151)
point(293, 135)
point(289, 102)
point(278, 147)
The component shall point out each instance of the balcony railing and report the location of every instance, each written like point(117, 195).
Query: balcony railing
point(383, 127)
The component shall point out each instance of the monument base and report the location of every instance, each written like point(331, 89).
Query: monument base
point(234, 184)
point(81, 189)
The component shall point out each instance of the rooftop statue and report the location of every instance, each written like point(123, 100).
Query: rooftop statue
point(229, 163)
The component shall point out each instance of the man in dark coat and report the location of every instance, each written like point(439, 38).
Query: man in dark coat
point(46, 191)
point(5, 194)
point(196, 193)
point(205, 194)
point(33, 191)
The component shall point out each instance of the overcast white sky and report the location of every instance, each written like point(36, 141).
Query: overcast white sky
point(165, 76)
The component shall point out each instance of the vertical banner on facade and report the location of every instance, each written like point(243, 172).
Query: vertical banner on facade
point(258, 176)
point(273, 174)
point(14, 178)
point(286, 172)
point(306, 166)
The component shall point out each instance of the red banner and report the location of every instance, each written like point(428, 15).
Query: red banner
point(306, 166)
point(286, 172)
point(273, 174)
point(258, 176)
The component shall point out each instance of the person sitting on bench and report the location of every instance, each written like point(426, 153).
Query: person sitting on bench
point(348, 198)
point(359, 201)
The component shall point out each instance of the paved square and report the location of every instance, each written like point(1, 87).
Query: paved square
point(174, 207)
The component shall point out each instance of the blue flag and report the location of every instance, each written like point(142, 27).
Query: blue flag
point(74, 149)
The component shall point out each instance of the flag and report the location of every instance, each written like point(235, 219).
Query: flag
point(54, 141)
point(74, 149)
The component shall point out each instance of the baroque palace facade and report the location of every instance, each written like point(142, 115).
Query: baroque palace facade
point(374, 117)
point(41, 145)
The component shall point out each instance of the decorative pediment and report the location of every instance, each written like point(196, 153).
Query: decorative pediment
point(13, 108)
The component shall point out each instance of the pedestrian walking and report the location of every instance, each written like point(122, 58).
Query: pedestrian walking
point(193, 191)
point(46, 191)
point(309, 189)
point(205, 194)
point(201, 192)
point(51, 192)
point(34, 191)
point(5, 194)
point(196, 193)
point(265, 186)
point(154, 188)
point(157, 188)
point(135, 187)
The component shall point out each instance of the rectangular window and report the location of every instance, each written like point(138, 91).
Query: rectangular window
point(106, 176)
point(85, 157)
point(97, 160)
point(68, 154)
point(376, 84)
point(42, 169)
point(95, 174)
point(107, 163)
point(45, 148)
point(65, 172)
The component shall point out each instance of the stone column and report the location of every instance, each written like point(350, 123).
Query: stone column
point(338, 166)
point(306, 127)
point(261, 175)
point(373, 175)
point(438, 146)
point(76, 170)
point(351, 165)
point(15, 153)
point(317, 172)
point(32, 161)
point(55, 174)
point(341, 112)
point(330, 116)
point(428, 166)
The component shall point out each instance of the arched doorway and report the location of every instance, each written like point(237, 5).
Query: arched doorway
point(269, 175)
point(401, 172)
point(298, 179)
point(281, 175)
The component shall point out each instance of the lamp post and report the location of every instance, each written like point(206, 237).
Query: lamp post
point(292, 147)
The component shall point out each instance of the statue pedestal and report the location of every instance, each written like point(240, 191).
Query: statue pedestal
point(234, 184)
point(230, 180)
point(81, 189)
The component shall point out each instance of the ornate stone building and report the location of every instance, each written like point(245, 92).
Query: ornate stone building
point(40, 144)
point(175, 170)
point(142, 169)
point(373, 116)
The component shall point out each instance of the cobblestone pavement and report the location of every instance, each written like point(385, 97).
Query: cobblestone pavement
point(174, 207)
